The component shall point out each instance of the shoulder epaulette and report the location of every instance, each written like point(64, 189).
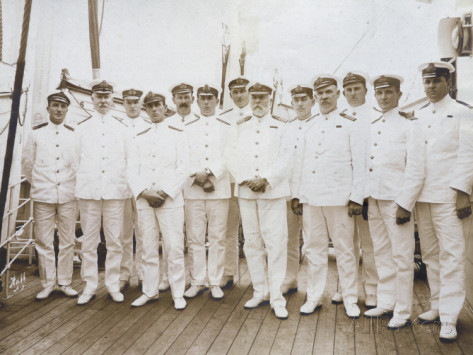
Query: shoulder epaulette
point(88, 118)
point(277, 118)
point(290, 121)
point(147, 120)
point(44, 124)
point(377, 119)
point(347, 116)
point(317, 114)
point(120, 120)
point(175, 128)
point(226, 111)
point(69, 127)
point(464, 104)
point(408, 115)
point(196, 115)
point(143, 132)
point(427, 104)
point(219, 119)
point(191, 122)
point(376, 109)
point(243, 120)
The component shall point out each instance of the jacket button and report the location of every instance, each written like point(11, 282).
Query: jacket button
point(376, 144)
point(257, 143)
point(379, 132)
point(57, 132)
point(206, 146)
point(313, 171)
point(57, 158)
point(206, 158)
point(426, 142)
point(57, 171)
point(58, 183)
point(371, 169)
point(257, 169)
point(300, 128)
point(256, 156)
point(103, 171)
point(372, 157)
point(57, 145)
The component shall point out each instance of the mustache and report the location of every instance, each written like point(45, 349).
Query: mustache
point(183, 105)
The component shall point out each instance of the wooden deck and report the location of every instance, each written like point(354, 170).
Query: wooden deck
point(57, 325)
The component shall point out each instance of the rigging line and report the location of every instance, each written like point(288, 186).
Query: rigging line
point(101, 17)
point(351, 51)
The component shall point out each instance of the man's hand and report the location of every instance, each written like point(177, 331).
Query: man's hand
point(153, 198)
point(354, 209)
point(463, 204)
point(296, 207)
point(208, 186)
point(402, 215)
point(364, 211)
point(200, 178)
point(257, 184)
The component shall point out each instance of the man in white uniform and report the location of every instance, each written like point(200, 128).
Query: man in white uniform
point(136, 124)
point(206, 194)
point(156, 172)
point(302, 102)
point(328, 178)
point(241, 109)
point(102, 190)
point(354, 90)
point(394, 177)
point(444, 199)
point(259, 164)
point(49, 165)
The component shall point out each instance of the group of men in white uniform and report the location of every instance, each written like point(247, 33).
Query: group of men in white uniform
point(354, 176)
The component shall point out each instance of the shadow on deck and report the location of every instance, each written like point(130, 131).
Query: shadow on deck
point(57, 325)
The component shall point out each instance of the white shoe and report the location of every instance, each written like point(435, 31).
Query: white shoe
point(287, 289)
point(164, 286)
point(429, 317)
point(180, 303)
point(116, 296)
point(194, 291)
point(255, 302)
point(309, 307)
point(68, 291)
point(227, 281)
point(216, 292)
point(337, 298)
point(352, 310)
point(143, 299)
point(45, 292)
point(378, 312)
point(280, 312)
point(370, 301)
point(124, 284)
point(398, 323)
point(85, 298)
point(448, 332)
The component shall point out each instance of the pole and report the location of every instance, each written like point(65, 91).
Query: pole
point(225, 54)
point(94, 38)
point(242, 59)
point(15, 109)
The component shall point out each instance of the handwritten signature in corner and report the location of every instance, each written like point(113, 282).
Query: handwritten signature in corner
point(18, 283)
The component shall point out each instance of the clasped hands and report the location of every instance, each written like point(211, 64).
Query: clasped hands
point(257, 184)
point(201, 179)
point(154, 198)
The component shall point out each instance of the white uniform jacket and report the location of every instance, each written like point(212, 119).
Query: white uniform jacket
point(395, 159)
point(48, 163)
point(177, 121)
point(207, 137)
point(448, 135)
point(100, 149)
point(329, 168)
point(294, 136)
point(258, 149)
point(158, 160)
point(136, 125)
point(234, 114)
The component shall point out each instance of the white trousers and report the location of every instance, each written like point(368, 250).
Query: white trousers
point(318, 224)
point(231, 238)
point(265, 230)
point(443, 252)
point(130, 223)
point(294, 226)
point(91, 213)
point(369, 275)
point(197, 214)
point(394, 253)
point(46, 215)
point(170, 221)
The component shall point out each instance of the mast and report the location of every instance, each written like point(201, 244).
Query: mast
point(94, 38)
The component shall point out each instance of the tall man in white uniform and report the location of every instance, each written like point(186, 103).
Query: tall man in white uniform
point(328, 180)
point(354, 90)
point(49, 165)
point(156, 171)
point(102, 190)
point(241, 109)
point(394, 177)
point(302, 102)
point(444, 199)
point(206, 194)
point(136, 124)
point(259, 164)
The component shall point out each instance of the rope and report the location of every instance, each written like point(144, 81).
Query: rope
point(15, 110)
point(94, 35)
point(101, 17)
point(1, 32)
